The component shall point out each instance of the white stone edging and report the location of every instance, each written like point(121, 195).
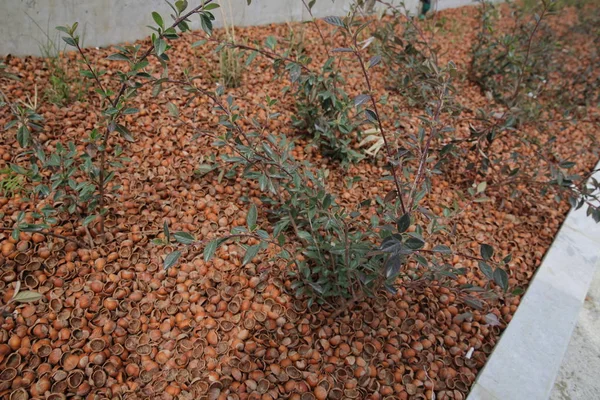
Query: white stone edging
point(527, 358)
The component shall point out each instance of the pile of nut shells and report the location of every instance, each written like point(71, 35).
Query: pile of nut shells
point(112, 324)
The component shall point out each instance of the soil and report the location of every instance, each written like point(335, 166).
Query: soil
point(119, 326)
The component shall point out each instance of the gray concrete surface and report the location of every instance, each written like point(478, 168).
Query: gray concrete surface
point(579, 374)
point(24, 24)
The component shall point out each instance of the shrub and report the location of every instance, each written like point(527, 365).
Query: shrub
point(66, 86)
point(77, 182)
point(230, 63)
point(295, 41)
point(324, 113)
point(337, 252)
point(406, 55)
point(517, 69)
point(513, 67)
point(578, 88)
point(63, 179)
point(333, 252)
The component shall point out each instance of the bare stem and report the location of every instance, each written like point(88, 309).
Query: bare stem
point(388, 148)
point(521, 75)
point(425, 152)
point(56, 235)
point(269, 54)
point(314, 21)
point(347, 304)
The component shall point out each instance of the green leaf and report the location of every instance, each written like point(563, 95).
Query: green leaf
point(374, 61)
point(491, 319)
point(440, 248)
point(335, 21)
point(392, 266)
point(166, 230)
point(160, 46)
point(27, 296)
point(251, 218)
point(262, 234)
point(158, 19)
point(125, 133)
point(23, 135)
point(501, 278)
point(371, 115)
point(183, 26)
point(414, 243)
point(342, 50)
point(184, 237)
point(361, 99)
point(70, 41)
point(486, 269)
point(403, 223)
point(181, 5)
point(251, 252)
point(118, 57)
point(473, 302)
point(88, 220)
point(206, 24)
point(199, 43)
point(173, 109)
point(271, 42)
point(209, 250)
point(481, 187)
point(18, 169)
point(567, 164)
point(171, 259)
point(211, 6)
point(486, 251)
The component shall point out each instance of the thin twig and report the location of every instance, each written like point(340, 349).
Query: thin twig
point(347, 304)
point(269, 54)
point(425, 152)
point(56, 235)
point(388, 147)
point(314, 21)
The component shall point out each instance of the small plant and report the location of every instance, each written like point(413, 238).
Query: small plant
point(513, 67)
point(11, 182)
point(77, 182)
point(323, 111)
point(230, 57)
point(66, 86)
point(410, 58)
point(64, 180)
point(578, 88)
point(295, 41)
point(6, 75)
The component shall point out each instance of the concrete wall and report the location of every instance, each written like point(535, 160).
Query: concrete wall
point(24, 24)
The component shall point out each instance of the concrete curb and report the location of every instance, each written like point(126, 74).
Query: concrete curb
point(526, 360)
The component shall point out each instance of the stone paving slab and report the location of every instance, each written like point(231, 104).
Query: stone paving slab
point(578, 375)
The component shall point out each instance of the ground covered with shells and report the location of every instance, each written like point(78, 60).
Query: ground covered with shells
point(113, 324)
